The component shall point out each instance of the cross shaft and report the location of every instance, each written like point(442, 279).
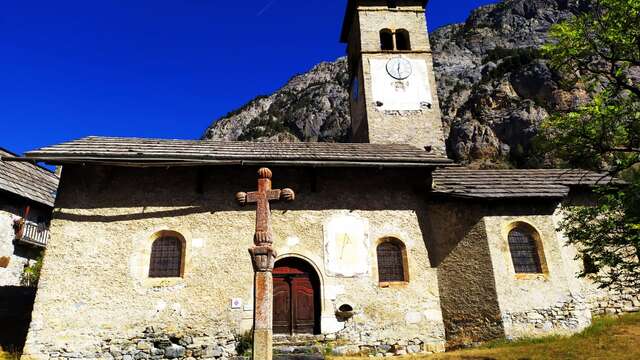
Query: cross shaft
point(263, 258)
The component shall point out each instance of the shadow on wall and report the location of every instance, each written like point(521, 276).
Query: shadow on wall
point(16, 304)
point(459, 249)
point(185, 191)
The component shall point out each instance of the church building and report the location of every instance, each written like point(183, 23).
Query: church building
point(388, 248)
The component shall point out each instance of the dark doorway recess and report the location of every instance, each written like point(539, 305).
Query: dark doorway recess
point(296, 297)
point(16, 304)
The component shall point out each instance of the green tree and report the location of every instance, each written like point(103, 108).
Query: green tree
point(599, 50)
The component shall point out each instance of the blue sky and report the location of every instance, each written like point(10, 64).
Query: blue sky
point(157, 68)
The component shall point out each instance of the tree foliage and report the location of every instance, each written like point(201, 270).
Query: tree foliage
point(31, 273)
point(599, 51)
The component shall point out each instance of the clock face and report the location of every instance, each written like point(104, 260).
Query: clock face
point(399, 68)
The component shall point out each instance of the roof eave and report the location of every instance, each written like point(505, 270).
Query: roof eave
point(156, 162)
point(446, 195)
point(49, 204)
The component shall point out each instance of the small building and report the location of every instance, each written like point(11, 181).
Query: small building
point(27, 194)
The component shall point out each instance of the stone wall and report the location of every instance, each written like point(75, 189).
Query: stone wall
point(459, 249)
point(613, 301)
point(94, 283)
point(473, 253)
point(567, 316)
point(554, 295)
point(154, 343)
point(606, 301)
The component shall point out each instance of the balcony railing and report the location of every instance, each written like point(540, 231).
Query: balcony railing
point(33, 234)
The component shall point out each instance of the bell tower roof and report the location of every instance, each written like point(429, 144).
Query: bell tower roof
point(352, 5)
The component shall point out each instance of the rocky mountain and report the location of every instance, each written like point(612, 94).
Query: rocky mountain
point(311, 107)
point(494, 86)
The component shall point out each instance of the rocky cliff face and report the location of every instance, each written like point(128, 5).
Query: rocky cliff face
point(493, 84)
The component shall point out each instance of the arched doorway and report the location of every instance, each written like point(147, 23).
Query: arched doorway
point(296, 297)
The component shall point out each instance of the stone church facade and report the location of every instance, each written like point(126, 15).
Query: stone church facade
point(389, 247)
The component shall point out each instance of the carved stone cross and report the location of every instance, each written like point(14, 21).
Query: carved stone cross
point(263, 258)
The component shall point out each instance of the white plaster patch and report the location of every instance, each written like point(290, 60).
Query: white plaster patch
point(412, 317)
point(411, 93)
point(329, 324)
point(197, 243)
point(346, 246)
point(293, 241)
point(332, 291)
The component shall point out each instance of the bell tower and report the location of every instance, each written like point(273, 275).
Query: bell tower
point(393, 88)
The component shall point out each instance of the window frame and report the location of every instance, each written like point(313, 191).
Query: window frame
point(534, 234)
point(183, 250)
point(405, 263)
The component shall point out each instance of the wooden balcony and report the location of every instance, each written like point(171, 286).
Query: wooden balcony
point(33, 234)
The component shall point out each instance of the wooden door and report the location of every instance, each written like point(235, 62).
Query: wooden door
point(295, 299)
point(303, 309)
point(281, 305)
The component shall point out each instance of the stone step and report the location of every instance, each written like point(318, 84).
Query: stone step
point(307, 349)
point(298, 357)
point(297, 340)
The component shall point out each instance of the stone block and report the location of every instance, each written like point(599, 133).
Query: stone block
point(174, 351)
point(412, 349)
point(345, 350)
point(144, 346)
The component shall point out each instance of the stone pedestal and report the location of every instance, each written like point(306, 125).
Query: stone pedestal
point(263, 316)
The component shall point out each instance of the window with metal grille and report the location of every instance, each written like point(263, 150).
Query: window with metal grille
point(166, 257)
point(390, 262)
point(524, 251)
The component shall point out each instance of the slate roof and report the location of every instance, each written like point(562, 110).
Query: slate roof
point(517, 183)
point(28, 180)
point(155, 152)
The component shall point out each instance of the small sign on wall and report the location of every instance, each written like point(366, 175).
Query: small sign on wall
point(236, 303)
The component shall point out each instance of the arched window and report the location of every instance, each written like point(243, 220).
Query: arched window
point(392, 261)
point(403, 42)
point(386, 39)
point(166, 257)
point(524, 250)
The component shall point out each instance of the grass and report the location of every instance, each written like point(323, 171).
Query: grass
point(607, 338)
